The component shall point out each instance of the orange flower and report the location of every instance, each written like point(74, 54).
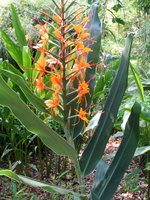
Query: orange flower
point(85, 20)
point(58, 35)
point(83, 35)
point(56, 81)
point(83, 89)
point(39, 47)
point(41, 63)
point(78, 28)
point(82, 115)
point(42, 28)
point(57, 18)
point(40, 84)
point(81, 48)
point(81, 65)
point(54, 103)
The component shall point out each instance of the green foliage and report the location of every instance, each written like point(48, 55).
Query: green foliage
point(107, 183)
point(131, 181)
point(17, 192)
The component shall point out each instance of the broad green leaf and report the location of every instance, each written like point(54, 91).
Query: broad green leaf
point(27, 62)
point(19, 31)
point(94, 151)
point(99, 85)
point(138, 82)
point(36, 101)
point(32, 123)
point(145, 116)
point(36, 183)
point(141, 150)
point(94, 27)
point(12, 48)
point(9, 67)
point(101, 170)
point(106, 188)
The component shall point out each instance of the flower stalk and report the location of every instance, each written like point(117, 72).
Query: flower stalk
point(61, 67)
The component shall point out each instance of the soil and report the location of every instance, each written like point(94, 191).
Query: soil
point(133, 186)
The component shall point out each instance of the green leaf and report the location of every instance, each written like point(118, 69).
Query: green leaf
point(138, 82)
point(19, 31)
point(106, 188)
point(118, 20)
point(141, 150)
point(145, 116)
point(9, 67)
point(147, 166)
point(101, 170)
point(93, 122)
point(117, 7)
point(32, 123)
point(36, 101)
point(94, 151)
point(99, 85)
point(27, 62)
point(36, 183)
point(12, 48)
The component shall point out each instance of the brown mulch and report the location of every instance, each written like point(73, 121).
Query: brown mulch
point(124, 192)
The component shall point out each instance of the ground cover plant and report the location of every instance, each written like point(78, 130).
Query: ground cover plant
point(61, 81)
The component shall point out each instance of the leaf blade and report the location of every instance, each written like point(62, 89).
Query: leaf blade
point(35, 125)
point(108, 185)
point(19, 31)
point(12, 48)
point(37, 183)
point(96, 146)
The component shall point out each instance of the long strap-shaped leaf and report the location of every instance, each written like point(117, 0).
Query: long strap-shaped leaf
point(18, 80)
point(106, 188)
point(12, 48)
point(35, 100)
point(35, 125)
point(36, 183)
point(94, 151)
point(19, 31)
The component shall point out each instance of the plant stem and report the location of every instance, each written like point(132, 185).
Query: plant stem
point(64, 95)
point(79, 176)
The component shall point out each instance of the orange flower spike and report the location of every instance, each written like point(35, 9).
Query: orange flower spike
point(41, 63)
point(82, 115)
point(40, 84)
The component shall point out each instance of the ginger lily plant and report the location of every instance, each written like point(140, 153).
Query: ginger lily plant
point(63, 72)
